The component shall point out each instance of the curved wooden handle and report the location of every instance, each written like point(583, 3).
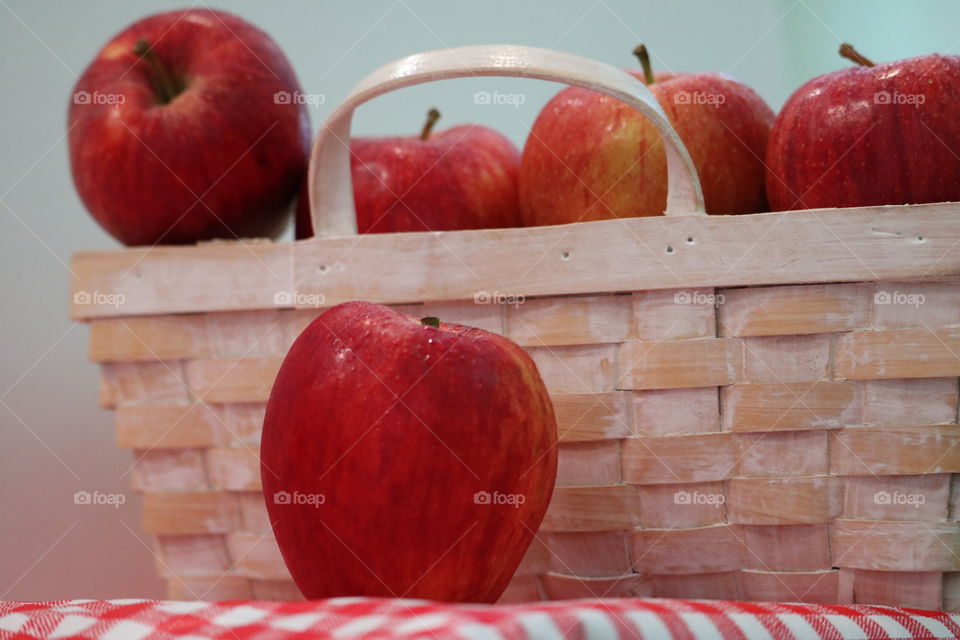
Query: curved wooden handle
point(330, 183)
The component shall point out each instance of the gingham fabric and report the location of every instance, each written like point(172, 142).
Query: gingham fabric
point(388, 619)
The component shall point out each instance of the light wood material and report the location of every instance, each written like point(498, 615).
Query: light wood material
point(239, 334)
point(669, 460)
point(523, 588)
point(577, 369)
point(895, 450)
point(209, 588)
point(674, 314)
point(563, 587)
point(604, 508)
point(667, 412)
point(688, 551)
point(802, 547)
point(672, 364)
point(910, 401)
point(721, 586)
point(196, 512)
point(783, 454)
point(133, 383)
point(682, 505)
point(902, 353)
point(588, 463)
point(922, 590)
point(786, 359)
point(909, 498)
point(215, 276)
point(256, 556)
point(186, 555)
point(789, 406)
point(819, 587)
point(589, 416)
point(881, 546)
point(787, 501)
point(566, 321)
point(761, 249)
point(233, 468)
point(592, 554)
point(191, 426)
point(223, 380)
point(169, 470)
point(763, 311)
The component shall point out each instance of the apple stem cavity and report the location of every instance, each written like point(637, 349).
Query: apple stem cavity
point(644, 57)
point(848, 52)
point(430, 321)
point(164, 83)
point(432, 116)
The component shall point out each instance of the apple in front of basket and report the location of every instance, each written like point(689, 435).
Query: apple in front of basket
point(405, 457)
point(188, 125)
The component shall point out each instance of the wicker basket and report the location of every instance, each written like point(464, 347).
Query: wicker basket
point(759, 407)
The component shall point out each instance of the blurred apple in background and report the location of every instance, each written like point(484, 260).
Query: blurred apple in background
point(405, 457)
point(188, 125)
point(464, 177)
point(869, 135)
point(590, 156)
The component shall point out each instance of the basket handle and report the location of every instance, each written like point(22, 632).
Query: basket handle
point(330, 184)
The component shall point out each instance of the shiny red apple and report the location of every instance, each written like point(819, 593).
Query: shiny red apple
point(405, 458)
point(591, 157)
point(464, 177)
point(869, 135)
point(188, 125)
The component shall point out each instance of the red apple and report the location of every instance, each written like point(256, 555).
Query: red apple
point(869, 135)
point(591, 157)
point(188, 125)
point(464, 177)
point(405, 458)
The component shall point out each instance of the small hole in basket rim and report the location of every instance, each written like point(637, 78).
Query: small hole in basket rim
point(669, 249)
point(689, 239)
point(565, 255)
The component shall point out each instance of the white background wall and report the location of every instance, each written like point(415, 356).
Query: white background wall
point(54, 440)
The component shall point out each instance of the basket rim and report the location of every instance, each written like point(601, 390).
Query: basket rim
point(890, 242)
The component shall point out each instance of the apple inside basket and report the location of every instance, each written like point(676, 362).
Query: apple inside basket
point(743, 401)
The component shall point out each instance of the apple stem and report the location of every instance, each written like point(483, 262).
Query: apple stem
point(848, 52)
point(430, 321)
point(644, 57)
point(432, 116)
point(164, 83)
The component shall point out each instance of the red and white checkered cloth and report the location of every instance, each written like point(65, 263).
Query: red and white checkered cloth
point(388, 619)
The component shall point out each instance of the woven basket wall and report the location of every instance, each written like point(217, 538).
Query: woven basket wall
point(791, 442)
